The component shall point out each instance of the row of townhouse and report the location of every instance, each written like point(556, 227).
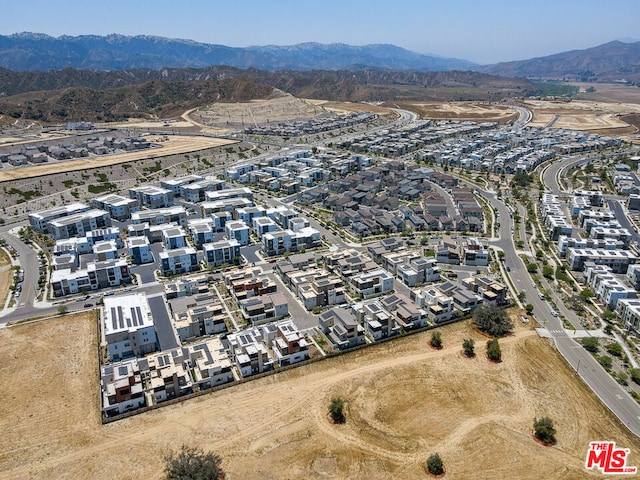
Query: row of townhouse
point(447, 300)
point(97, 275)
point(284, 241)
point(137, 382)
point(247, 283)
point(347, 326)
point(606, 286)
point(313, 286)
point(249, 349)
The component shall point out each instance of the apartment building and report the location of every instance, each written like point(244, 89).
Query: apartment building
point(180, 260)
point(264, 308)
point(139, 250)
point(39, 220)
point(161, 216)
point(237, 230)
point(128, 326)
point(79, 224)
point(223, 252)
point(374, 282)
point(152, 197)
point(119, 207)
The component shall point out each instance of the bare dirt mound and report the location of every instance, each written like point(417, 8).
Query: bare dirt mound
point(404, 401)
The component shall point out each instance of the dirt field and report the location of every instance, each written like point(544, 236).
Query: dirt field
point(404, 402)
point(343, 107)
point(174, 145)
point(6, 276)
point(583, 115)
point(477, 112)
point(241, 115)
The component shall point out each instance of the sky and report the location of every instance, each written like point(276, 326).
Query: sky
point(481, 31)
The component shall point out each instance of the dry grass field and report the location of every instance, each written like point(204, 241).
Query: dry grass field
point(345, 107)
point(476, 112)
point(172, 146)
point(404, 402)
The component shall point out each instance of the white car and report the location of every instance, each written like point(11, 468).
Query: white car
point(554, 313)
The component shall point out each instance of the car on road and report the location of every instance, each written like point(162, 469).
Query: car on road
point(541, 296)
point(508, 268)
point(554, 313)
point(87, 305)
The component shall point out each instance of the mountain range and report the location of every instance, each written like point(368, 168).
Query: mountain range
point(615, 60)
point(35, 51)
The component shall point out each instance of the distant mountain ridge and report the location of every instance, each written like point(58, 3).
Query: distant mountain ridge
point(36, 51)
point(613, 61)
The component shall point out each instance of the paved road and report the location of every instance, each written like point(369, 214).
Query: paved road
point(598, 379)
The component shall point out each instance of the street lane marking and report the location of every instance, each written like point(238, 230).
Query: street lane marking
point(618, 396)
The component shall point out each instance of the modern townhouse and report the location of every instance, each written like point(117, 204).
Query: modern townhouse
point(152, 197)
point(264, 308)
point(237, 230)
point(223, 252)
point(79, 224)
point(39, 220)
point(121, 387)
point(618, 260)
point(119, 207)
point(341, 327)
point(180, 260)
point(139, 250)
point(161, 216)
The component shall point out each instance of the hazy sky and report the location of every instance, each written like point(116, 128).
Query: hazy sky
point(482, 31)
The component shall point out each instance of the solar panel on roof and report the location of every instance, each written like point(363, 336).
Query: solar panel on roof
point(120, 320)
point(129, 318)
point(114, 323)
point(140, 320)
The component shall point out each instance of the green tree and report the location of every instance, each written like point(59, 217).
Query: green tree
point(436, 340)
point(493, 350)
point(435, 465)
point(586, 295)
point(529, 308)
point(193, 464)
point(635, 375)
point(591, 344)
point(62, 309)
point(544, 430)
point(614, 349)
point(547, 272)
point(532, 268)
point(468, 345)
point(492, 320)
point(336, 408)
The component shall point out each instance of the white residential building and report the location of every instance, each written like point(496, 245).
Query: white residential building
point(180, 260)
point(128, 326)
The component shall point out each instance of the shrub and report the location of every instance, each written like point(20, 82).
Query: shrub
point(635, 375)
point(614, 349)
point(544, 429)
point(336, 409)
point(468, 345)
point(493, 350)
point(435, 465)
point(605, 361)
point(436, 340)
point(591, 344)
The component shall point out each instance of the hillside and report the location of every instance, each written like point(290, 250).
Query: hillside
point(613, 61)
point(59, 95)
point(34, 51)
point(154, 99)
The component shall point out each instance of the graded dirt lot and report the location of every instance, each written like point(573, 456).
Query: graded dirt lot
point(171, 146)
point(404, 402)
point(474, 111)
point(343, 107)
point(598, 117)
